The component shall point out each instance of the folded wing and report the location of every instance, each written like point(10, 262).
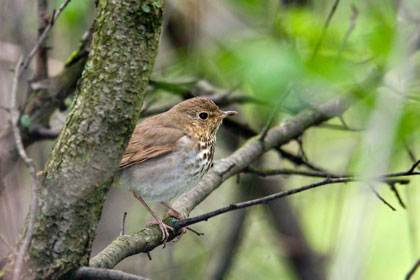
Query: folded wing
point(148, 142)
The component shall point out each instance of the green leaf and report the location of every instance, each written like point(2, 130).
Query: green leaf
point(145, 8)
point(25, 121)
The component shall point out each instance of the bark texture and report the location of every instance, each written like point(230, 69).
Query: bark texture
point(79, 172)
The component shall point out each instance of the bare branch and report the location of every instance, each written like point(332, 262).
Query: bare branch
point(324, 30)
point(397, 194)
point(86, 273)
point(355, 13)
point(41, 68)
point(31, 166)
point(7, 244)
point(272, 115)
point(412, 270)
point(339, 127)
point(263, 200)
point(42, 38)
point(414, 166)
point(122, 228)
point(319, 174)
point(245, 131)
point(381, 198)
point(286, 171)
point(297, 160)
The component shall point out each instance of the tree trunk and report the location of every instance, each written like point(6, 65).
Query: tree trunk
point(79, 172)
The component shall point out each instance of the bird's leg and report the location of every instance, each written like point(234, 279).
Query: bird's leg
point(172, 212)
point(164, 228)
point(176, 214)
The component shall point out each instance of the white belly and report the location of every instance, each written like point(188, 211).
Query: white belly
point(165, 177)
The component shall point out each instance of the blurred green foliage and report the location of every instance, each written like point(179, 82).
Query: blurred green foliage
point(266, 49)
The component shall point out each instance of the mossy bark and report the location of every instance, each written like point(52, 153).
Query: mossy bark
point(80, 169)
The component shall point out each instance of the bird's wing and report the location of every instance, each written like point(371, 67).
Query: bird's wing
point(149, 142)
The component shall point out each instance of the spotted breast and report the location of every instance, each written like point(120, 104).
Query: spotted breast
point(165, 177)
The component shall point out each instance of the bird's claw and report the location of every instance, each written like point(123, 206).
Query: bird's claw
point(164, 229)
point(183, 231)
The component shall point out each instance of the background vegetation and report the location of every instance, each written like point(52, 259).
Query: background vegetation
point(282, 57)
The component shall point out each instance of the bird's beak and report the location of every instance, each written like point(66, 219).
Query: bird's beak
point(225, 114)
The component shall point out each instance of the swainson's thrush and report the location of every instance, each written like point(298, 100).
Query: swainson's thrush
point(169, 153)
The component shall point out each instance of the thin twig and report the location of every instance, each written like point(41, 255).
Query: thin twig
point(262, 200)
point(325, 174)
point(87, 273)
point(32, 170)
point(414, 166)
point(41, 68)
point(397, 194)
point(301, 150)
point(297, 160)
point(412, 270)
point(410, 152)
point(265, 199)
point(7, 244)
point(287, 171)
point(273, 114)
point(196, 232)
point(42, 38)
point(381, 198)
point(355, 13)
point(339, 127)
point(343, 121)
point(324, 30)
point(245, 131)
point(122, 228)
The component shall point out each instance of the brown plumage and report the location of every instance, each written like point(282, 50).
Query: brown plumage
point(159, 134)
point(170, 152)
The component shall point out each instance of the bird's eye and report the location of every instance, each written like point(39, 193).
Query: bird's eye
point(203, 115)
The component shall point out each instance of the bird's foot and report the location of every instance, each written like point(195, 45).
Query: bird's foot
point(172, 212)
point(163, 228)
point(177, 215)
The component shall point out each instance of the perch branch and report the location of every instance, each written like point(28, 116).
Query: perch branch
point(87, 273)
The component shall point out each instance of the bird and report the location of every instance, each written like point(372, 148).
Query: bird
point(169, 153)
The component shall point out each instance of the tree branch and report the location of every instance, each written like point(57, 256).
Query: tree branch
point(32, 170)
point(324, 29)
point(44, 98)
point(42, 38)
point(263, 200)
point(41, 68)
point(412, 270)
point(87, 273)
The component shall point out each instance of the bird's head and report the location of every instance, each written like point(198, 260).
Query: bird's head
point(200, 116)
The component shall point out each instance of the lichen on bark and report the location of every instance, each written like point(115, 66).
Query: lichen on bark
point(79, 171)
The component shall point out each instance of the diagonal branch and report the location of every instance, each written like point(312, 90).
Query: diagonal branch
point(324, 30)
point(412, 270)
point(23, 65)
point(87, 273)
